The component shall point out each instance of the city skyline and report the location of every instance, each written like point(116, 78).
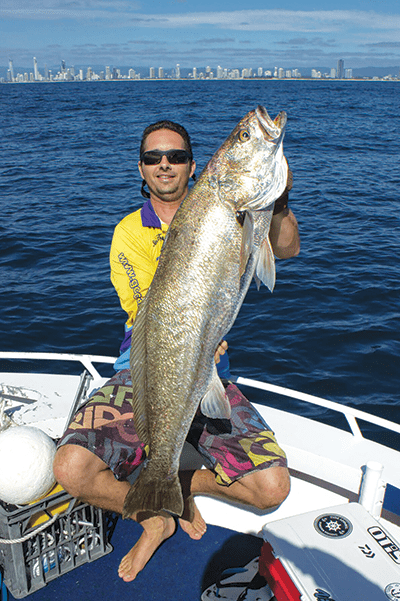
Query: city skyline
point(66, 73)
point(122, 32)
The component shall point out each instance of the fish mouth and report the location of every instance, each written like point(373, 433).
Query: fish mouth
point(273, 129)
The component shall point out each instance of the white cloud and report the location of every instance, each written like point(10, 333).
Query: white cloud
point(120, 29)
point(126, 13)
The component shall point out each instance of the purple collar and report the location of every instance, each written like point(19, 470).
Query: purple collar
point(149, 216)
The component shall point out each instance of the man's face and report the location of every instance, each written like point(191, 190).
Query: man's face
point(166, 182)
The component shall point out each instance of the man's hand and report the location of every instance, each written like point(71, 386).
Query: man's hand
point(221, 350)
point(284, 232)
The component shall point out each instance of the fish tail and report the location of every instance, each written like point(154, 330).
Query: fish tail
point(154, 495)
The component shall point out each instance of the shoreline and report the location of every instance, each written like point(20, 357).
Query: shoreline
point(249, 79)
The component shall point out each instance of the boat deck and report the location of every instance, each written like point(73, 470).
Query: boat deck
point(179, 571)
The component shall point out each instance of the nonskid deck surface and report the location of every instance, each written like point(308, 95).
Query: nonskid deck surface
point(179, 571)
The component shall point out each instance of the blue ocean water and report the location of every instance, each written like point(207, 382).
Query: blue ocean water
point(69, 174)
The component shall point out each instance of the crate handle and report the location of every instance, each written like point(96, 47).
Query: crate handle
point(6, 541)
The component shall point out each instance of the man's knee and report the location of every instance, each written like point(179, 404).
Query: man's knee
point(271, 487)
point(72, 467)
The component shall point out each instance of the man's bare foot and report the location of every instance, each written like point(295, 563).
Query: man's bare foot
point(156, 529)
point(194, 526)
point(191, 521)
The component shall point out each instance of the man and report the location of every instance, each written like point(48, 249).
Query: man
point(100, 451)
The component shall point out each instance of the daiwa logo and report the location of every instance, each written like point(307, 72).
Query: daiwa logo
point(387, 544)
point(322, 595)
point(392, 591)
point(368, 552)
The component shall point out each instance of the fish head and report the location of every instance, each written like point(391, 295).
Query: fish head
point(249, 171)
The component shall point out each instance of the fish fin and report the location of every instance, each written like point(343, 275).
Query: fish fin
point(150, 494)
point(215, 403)
point(247, 242)
point(137, 362)
point(265, 266)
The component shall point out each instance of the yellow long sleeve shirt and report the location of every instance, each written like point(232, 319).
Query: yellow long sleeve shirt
point(135, 249)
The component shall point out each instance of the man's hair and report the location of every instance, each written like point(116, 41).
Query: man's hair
point(179, 129)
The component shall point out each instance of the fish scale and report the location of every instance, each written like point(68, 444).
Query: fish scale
point(206, 265)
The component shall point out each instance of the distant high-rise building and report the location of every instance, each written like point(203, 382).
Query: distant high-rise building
point(160, 73)
point(209, 72)
point(333, 74)
point(152, 73)
point(11, 67)
point(178, 71)
point(340, 69)
point(63, 67)
point(348, 73)
point(35, 70)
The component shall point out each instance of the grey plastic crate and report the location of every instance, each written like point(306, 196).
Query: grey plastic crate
point(79, 535)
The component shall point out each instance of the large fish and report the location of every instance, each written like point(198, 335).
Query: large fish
point(217, 241)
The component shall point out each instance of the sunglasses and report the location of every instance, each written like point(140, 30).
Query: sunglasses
point(174, 157)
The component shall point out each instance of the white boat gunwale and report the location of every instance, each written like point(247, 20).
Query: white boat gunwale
point(351, 414)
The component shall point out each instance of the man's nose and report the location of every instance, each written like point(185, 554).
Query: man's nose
point(165, 163)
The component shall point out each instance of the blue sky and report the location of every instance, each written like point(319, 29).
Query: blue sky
point(232, 34)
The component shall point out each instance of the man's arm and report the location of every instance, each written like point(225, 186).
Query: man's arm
point(133, 264)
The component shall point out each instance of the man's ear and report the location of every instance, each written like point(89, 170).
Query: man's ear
point(140, 169)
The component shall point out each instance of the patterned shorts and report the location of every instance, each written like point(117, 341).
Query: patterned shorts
point(230, 448)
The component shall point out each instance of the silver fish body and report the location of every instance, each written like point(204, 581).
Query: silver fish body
point(216, 243)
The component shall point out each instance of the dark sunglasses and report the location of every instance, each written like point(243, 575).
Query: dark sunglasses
point(174, 157)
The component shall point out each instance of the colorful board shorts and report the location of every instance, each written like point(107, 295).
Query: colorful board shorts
point(230, 448)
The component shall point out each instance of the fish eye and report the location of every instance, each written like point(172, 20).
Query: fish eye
point(244, 135)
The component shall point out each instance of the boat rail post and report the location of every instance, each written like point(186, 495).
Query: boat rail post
point(372, 489)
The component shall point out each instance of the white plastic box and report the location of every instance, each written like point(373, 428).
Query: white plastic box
point(338, 554)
